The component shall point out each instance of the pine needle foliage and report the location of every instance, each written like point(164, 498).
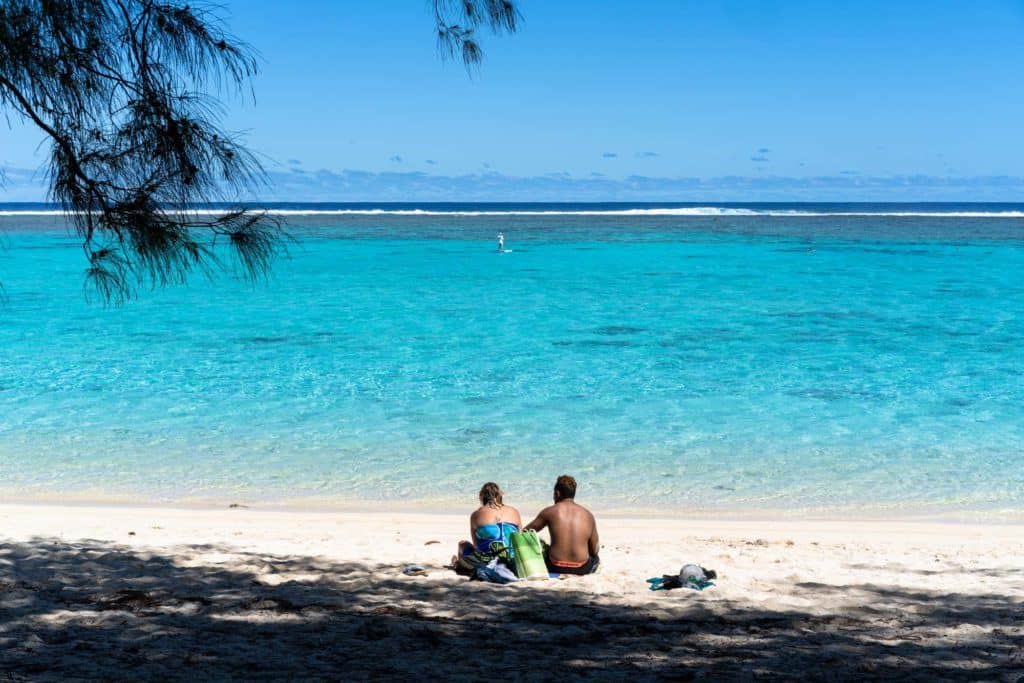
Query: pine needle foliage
point(130, 96)
point(459, 23)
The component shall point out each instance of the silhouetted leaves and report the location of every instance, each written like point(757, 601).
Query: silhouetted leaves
point(126, 91)
point(459, 20)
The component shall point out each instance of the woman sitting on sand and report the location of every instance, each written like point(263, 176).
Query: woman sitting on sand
point(490, 527)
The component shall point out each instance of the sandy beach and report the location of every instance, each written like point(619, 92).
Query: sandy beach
point(239, 593)
point(288, 289)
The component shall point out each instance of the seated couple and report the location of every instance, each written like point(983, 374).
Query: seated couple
point(574, 542)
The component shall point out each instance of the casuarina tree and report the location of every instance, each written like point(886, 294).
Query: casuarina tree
point(130, 97)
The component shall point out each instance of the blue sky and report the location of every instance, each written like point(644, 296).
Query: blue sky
point(590, 94)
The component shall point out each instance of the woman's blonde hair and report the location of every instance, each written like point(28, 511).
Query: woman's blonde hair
point(490, 494)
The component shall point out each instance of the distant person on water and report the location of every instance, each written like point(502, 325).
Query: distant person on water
point(501, 241)
point(574, 541)
point(490, 527)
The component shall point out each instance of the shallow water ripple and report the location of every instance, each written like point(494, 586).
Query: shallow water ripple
point(735, 367)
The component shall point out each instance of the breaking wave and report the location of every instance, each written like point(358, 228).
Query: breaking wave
point(705, 211)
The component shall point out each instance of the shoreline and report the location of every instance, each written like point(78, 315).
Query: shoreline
point(316, 506)
point(73, 516)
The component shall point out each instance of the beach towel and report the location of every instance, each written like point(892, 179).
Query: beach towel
point(495, 571)
point(479, 565)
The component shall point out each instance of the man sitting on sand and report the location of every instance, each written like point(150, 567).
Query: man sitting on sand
point(574, 542)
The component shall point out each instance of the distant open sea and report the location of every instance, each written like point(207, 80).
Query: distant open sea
point(809, 359)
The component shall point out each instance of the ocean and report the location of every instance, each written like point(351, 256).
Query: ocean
point(805, 359)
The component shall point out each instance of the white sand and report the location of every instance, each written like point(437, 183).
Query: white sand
point(242, 593)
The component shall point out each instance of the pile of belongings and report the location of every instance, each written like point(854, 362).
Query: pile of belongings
point(690, 576)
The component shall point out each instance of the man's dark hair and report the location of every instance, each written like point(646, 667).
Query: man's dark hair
point(566, 486)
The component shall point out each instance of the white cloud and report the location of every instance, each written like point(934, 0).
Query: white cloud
point(354, 185)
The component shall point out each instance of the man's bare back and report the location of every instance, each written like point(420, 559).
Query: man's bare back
point(574, 540)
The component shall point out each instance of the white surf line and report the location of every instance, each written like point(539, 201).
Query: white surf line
point(682, 212)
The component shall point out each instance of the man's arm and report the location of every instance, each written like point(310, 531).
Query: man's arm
point(539, 522)
point(594, 543)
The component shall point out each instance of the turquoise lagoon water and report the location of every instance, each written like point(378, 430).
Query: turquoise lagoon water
point(799, 358)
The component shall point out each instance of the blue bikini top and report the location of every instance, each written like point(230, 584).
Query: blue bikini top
point(488, 534)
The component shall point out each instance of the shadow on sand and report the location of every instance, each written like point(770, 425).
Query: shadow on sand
point(99, 610)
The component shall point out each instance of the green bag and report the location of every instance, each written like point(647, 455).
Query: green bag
point(529, 555)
